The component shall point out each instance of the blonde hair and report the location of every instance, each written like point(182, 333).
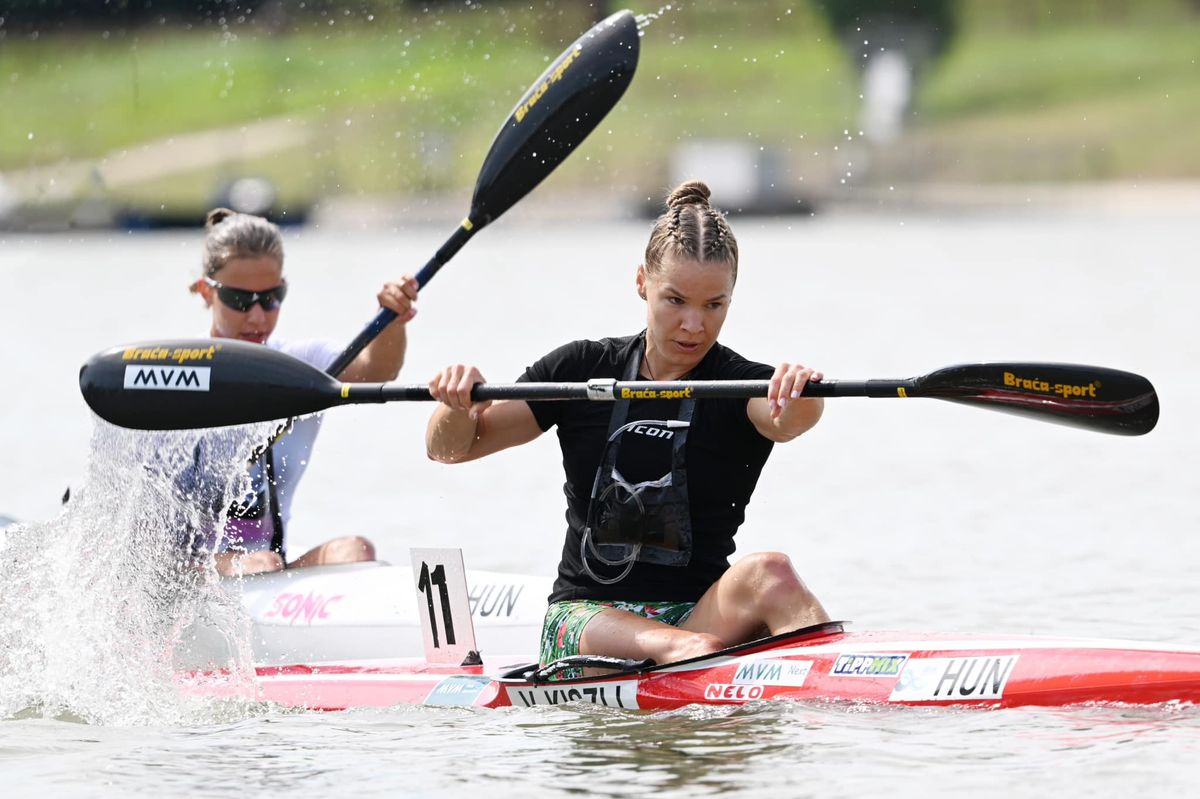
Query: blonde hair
point(692, 229)
point(235, 235)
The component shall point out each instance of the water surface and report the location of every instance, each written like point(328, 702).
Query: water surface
point(900, 513)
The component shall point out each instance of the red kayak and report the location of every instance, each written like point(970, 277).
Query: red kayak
point(822, 663)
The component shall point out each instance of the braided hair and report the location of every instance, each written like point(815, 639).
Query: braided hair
point(691, 229)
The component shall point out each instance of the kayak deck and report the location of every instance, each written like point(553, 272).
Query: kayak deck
point(359, 611)
point(822, 663)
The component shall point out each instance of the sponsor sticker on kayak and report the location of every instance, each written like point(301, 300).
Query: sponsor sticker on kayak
point(610, 694)
point(494, 600)
point(791, 673)
point(460, 689)
point(727, 692)
point(309, 608)
point(954, 679)
point(874, 665)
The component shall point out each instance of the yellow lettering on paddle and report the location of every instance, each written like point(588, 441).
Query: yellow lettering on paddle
point(554, 77)
point(1064, 390)
point(650, 393)
point(179, 354)
point(185, 354)
point(145, 354)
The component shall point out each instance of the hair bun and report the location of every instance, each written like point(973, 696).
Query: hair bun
point(692, 192)
point(216, 216)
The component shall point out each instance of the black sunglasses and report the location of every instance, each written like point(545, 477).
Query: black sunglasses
point(242, 300)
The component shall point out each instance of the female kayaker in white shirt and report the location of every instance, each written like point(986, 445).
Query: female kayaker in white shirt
point(244, 287)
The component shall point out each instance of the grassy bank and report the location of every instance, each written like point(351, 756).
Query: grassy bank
point(1077, 103)
point(410, 103)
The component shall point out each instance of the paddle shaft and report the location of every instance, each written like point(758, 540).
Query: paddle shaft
point(386, 316)
point(547, 124)
point(192, 383)
point(608, 390)
point(1131, 414)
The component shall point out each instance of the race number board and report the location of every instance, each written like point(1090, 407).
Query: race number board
point(443, 605)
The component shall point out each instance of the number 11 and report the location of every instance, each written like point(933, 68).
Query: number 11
point(425, 585)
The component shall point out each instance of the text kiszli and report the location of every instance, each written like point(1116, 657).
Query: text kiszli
point(606, 695)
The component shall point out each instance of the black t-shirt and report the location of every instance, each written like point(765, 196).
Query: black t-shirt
point(725, 455)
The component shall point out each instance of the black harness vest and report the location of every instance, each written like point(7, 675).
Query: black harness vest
point(648, 521)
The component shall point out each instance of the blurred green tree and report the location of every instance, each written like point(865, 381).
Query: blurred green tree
point(891, 43)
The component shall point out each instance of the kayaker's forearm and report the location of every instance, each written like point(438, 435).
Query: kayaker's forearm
point(381, 360)
point(800, 416)
point(450, 434)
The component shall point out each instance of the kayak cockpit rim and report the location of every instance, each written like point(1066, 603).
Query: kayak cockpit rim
point(532, 674)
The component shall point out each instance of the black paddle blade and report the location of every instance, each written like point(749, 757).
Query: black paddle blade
point(1090, 397)
point(188, 384)
point(560, 109)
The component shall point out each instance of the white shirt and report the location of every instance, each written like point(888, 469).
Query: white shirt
point(291, 454)
point(293, 451)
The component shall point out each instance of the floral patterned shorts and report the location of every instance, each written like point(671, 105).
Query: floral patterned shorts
point(564, 623)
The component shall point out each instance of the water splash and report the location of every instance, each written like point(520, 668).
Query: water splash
point(650, 17)
point(95, 603)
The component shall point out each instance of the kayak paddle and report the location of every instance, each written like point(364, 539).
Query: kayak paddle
point(187, 384)
point(553, 117)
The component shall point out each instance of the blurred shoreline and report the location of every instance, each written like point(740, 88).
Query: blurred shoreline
point(443, 209)
point(1149, 197)
point(385, 121)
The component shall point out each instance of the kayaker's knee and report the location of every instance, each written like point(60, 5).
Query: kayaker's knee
point(771, 569)
point(351, 548)
point(238, 564)
point(775, 579)
point(694, 646)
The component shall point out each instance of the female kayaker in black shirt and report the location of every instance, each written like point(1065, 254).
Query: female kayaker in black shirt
point(655, 489)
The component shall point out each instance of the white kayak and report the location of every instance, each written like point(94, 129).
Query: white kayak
point(361, 611)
